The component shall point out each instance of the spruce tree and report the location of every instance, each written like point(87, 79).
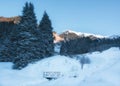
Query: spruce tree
point(29, 21)
point(45, 28)
point(27, 43)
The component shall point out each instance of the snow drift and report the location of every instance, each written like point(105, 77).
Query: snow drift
point(102, 71)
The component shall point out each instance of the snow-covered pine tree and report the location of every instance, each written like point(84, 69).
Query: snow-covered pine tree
point(29, 21)
point(27, 43)
point(45, 28)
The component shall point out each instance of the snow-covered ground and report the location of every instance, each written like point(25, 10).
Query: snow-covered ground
point(104, 70)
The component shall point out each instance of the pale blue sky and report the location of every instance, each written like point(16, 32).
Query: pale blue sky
point(91, 16)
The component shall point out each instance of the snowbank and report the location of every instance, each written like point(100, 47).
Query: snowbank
point(103, 70)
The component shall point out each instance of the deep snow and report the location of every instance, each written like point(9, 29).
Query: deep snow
point(104, 70)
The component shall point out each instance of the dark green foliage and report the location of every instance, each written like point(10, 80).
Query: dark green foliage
point(26, 39)
point(20, 63)
point(45, 28)
point(28, 21)
point(6, 29)
point(86, 45)
point(75, 46)
point(31, 43)
point(45, 24)
point(23, 43)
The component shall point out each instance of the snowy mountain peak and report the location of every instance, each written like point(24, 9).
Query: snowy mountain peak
point(84, 34)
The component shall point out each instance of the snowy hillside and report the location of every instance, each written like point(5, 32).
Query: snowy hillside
point(104, 70)
point(84, 34)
